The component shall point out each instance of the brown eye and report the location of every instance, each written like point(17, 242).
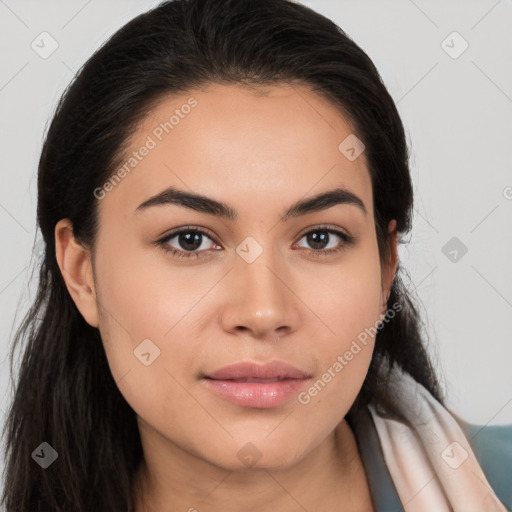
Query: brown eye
point(186, 243)
point(326, 241)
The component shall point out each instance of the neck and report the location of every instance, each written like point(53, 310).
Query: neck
point(331, 478)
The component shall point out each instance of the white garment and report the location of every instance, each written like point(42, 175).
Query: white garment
point(430, 459)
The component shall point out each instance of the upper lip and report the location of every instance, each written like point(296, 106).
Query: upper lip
point(249, 370)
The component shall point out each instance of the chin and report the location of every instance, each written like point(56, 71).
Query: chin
point(253, 457)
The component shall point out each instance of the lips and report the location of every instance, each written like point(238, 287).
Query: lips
point(257, 386)
point(257, 380)
point(275, 370)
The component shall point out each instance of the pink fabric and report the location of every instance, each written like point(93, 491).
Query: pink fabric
point(430, 459)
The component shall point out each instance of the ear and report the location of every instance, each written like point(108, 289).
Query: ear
point(390, 265)
point(75, 265)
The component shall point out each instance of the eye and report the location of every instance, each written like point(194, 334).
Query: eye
point(322, 237)
point(191, 242)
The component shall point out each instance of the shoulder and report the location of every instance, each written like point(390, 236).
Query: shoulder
point(492, 445)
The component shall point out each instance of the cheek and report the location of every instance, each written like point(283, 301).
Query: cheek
point(346, 298)
point(143, 298)
point(349, 312)
point(142, 324)
point(149, 321)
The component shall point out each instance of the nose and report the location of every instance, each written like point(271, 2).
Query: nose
point(260, 299)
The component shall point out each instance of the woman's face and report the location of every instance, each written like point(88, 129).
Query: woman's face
point(254, 287)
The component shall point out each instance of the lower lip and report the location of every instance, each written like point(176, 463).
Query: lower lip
point(262, 395)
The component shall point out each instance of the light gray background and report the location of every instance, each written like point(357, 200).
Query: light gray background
point(457, 113)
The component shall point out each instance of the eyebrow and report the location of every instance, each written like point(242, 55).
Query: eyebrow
point(204, 204)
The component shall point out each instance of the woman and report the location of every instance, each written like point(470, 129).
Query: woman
point(221, 322)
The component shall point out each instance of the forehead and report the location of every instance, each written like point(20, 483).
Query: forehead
point(273, 143)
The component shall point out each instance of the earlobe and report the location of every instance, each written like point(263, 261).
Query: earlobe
point(75, 265)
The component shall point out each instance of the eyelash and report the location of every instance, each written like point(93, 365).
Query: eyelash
point(347, 240)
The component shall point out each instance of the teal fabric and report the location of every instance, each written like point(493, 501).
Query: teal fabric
point(492, 446)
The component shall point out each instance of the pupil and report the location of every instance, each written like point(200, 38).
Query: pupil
point(194, 239)
point(314, 239)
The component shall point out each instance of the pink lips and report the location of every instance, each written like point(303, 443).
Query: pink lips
point(260, 386)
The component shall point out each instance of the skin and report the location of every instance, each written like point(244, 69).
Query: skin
point(259, 151)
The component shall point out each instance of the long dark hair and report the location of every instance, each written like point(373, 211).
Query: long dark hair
point(65, 394)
